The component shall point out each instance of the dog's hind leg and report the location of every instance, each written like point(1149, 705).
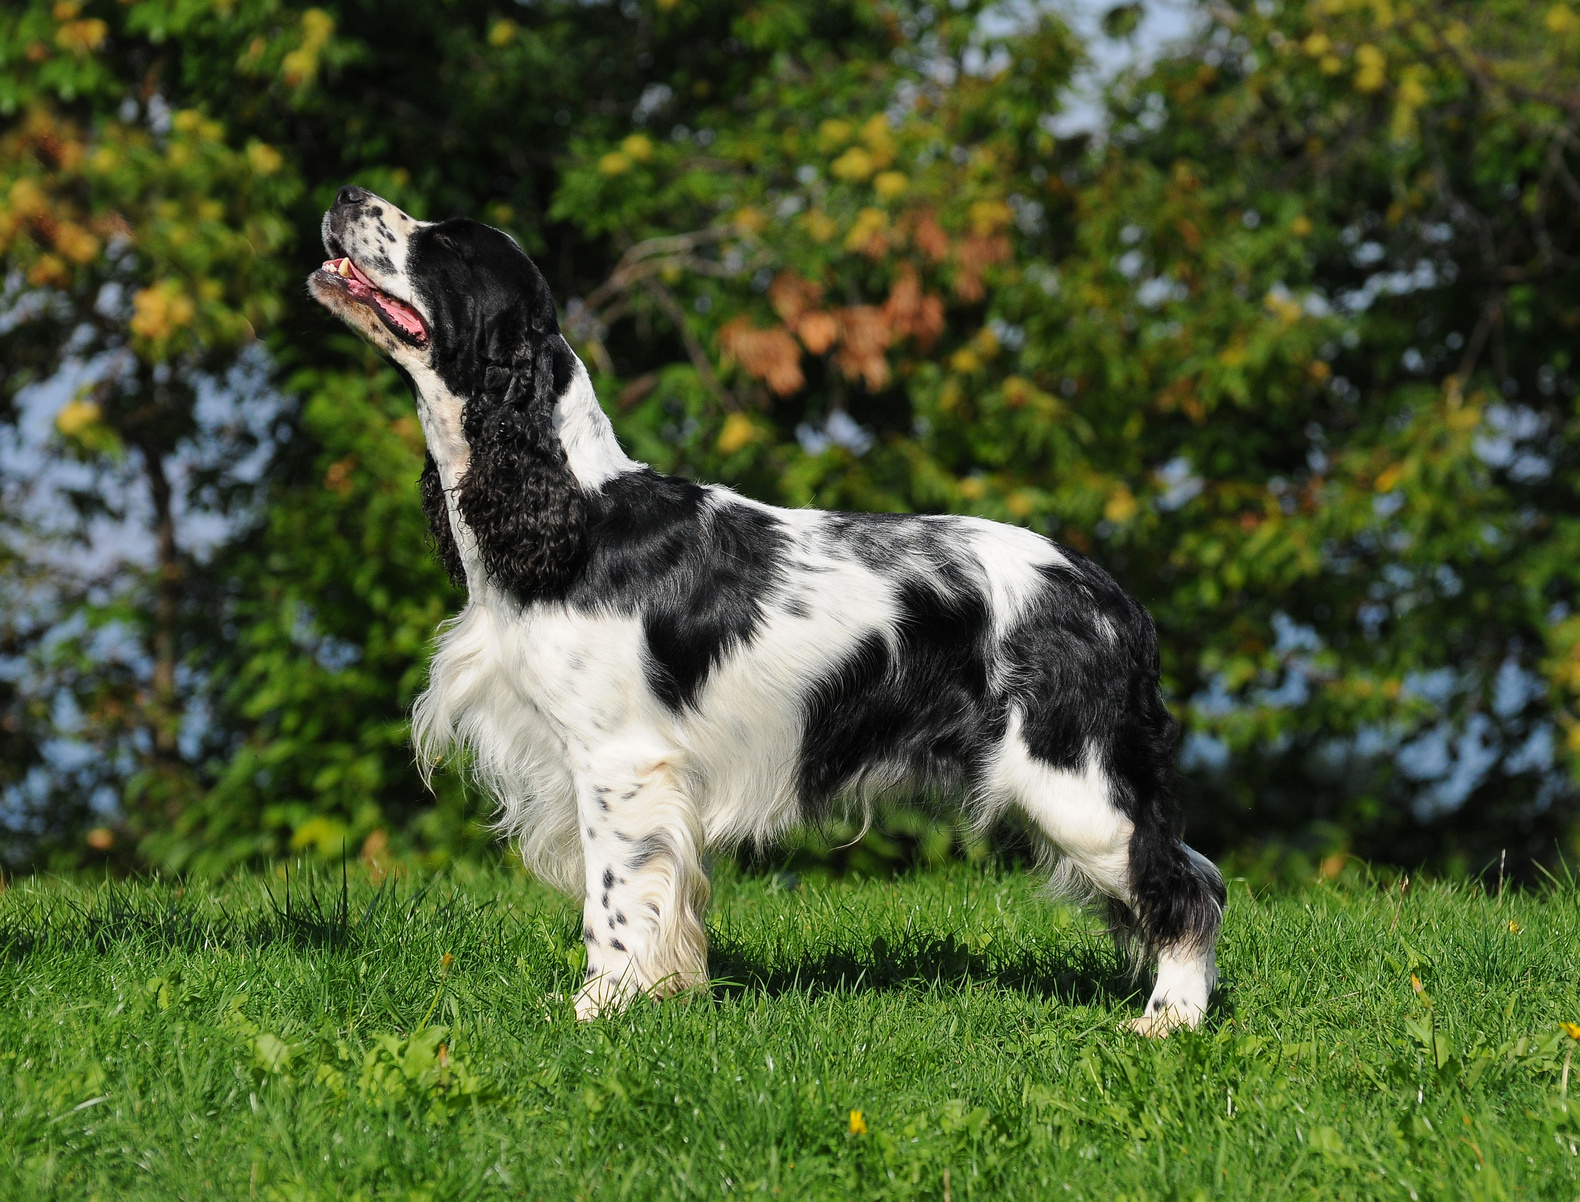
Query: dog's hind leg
point(646, 890)
point(1113, 835)
point(1175, 912)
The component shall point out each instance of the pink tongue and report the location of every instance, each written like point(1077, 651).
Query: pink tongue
point(401, 314)
point(363, 288)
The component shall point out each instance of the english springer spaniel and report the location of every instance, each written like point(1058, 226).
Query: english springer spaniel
point(647, 667)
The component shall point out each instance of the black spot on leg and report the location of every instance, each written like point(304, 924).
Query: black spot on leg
point(648, 850)
point(602, 789)
point(611, 924)
point(605, 901)
point(588, 936)
point(628, 796)
point(608, 878)
point(591, 834)
point(617, 945)
point(603, 805)
point(619, 917)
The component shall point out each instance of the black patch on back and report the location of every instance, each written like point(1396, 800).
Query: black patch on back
point(925, 706)
point(698, 573)
point(889, 543)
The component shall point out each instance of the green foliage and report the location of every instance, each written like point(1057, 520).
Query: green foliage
point(282, 1037)
point(1286, 348)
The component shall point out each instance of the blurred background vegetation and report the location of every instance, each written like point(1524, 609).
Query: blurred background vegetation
point(1284, 339)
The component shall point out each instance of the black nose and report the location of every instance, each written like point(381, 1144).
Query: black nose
point(351, 195)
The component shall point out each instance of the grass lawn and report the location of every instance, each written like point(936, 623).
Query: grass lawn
point(218, 1042)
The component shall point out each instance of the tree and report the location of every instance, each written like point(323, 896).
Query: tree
point(1287, 352)
point(1285, 347)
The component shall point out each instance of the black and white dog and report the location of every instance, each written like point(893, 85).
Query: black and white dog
point(647, 667)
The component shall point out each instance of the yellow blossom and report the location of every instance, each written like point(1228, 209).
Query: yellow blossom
point(82, 37)
point(853, 166)
point(737, 432)
point(76, 243)
point(299, 66)
point(833, 134)
point(858, 1123)
point(820, 225)
point(988, 216)
point(48, 269)
point(751, 219)
point(1571, 1029)
point(890, 184)
point(614, 163)
point(265, 159)
point(76, 416)
point(161, 310)
point(869, 224)
point(1372, 62)
point(1121, 506)
point(27, 199)
point(637, 147)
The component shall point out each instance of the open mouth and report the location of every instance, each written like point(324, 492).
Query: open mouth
point(400, 317)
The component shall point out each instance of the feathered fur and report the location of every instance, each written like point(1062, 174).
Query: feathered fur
point(647, 667)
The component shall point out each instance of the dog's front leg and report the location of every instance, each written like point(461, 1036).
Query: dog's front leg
point(645, 891)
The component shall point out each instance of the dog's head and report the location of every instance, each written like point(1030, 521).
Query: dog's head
point(455, 296)
point(464, 314)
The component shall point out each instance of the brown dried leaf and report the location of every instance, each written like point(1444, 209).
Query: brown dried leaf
point(768, 355)
point(792, 295)
point(817, 331)
point(929, 237)
point(865, 333)
point(911, 312)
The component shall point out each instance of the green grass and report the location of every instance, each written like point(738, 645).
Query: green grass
point(156, 1043)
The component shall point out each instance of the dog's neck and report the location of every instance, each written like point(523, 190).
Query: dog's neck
point(591, 448)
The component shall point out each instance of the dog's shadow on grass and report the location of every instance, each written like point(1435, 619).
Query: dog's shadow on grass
point(1083, 972)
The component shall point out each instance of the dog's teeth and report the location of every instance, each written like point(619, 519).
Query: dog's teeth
point(345, 268)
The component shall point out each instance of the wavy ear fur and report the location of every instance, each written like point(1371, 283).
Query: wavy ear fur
point(518, 495)
point(440, 535)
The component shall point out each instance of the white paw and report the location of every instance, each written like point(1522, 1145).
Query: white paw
point(1157, 1023)
point(603, 994)
point(588, 1006)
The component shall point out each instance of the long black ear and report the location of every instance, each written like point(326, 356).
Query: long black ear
point(440, 535)
point(518, 495)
